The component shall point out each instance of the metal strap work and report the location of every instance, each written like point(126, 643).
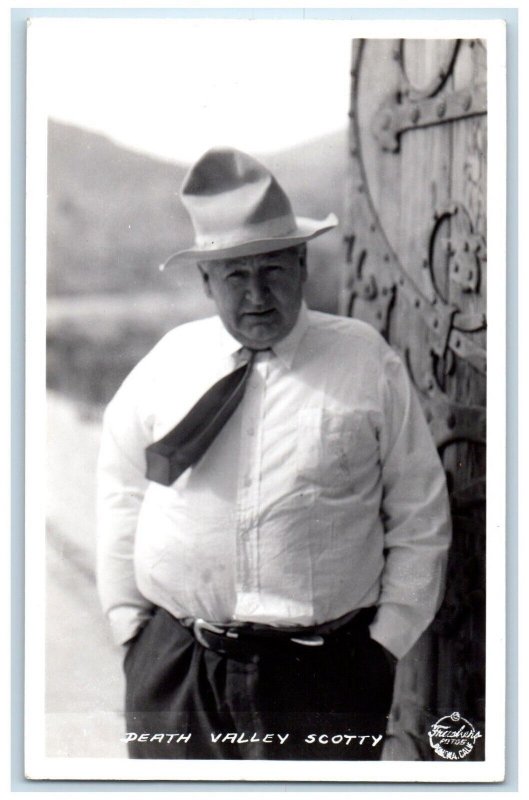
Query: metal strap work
point(447, 326)
point(393, 118)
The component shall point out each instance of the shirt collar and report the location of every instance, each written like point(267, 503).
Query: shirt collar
point(285, 349)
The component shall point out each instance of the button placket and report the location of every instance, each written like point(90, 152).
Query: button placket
point(247, 578)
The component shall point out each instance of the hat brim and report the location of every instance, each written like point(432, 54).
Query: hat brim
point(306, 229)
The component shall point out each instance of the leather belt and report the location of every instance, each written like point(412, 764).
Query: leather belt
point(246, 639)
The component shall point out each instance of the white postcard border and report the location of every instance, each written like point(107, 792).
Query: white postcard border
point(40, 766)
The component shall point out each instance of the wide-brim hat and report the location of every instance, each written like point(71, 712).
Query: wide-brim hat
point(238, 208)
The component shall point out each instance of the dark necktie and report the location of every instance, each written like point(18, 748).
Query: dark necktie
point(182, 447)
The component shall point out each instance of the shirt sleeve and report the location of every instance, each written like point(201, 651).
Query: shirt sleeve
point(120, 489)
point(416, 515)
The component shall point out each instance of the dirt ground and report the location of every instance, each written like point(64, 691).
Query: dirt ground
point(84, 683)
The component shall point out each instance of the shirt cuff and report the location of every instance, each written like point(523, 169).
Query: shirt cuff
point(125, 622)
point(394, 630)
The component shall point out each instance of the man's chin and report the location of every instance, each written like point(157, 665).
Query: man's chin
point(259, 336)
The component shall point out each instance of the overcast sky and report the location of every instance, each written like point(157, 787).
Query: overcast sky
point(174, 88)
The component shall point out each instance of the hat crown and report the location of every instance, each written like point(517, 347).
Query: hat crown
point(232, 198)
point(220, 169)
point(238, 209)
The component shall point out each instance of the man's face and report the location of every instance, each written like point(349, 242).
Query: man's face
point(258, 297)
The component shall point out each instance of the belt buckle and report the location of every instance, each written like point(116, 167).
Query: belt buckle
point(308, 641)
point(200, 625)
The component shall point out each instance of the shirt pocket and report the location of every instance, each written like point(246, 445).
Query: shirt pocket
point(333, 447)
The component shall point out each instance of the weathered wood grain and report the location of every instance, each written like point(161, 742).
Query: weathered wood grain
point(415, 247)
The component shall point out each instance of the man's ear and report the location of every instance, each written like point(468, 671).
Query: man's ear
point(202, 268)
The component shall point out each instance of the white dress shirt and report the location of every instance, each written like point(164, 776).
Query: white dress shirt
point(323, 493)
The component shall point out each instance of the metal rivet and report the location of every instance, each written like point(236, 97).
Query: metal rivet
point(415, 114)
point(470, 274)
point(417, 303)
point(360, 187)
point(451, 421)
point(467, 102)
point(457, 342)
point(401, 281)
point(379, 314)
point(456, 267)
point(436, 323)
point(354, 152)
point(441, 109)
point(384, 290)
point(372, 227)
point(386, 257)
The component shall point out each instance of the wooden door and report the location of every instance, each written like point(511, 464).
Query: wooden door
point(415, 267)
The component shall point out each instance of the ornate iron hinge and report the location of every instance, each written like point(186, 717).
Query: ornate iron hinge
point(398, 114)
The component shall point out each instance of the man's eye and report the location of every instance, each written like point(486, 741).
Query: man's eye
point(234, 276)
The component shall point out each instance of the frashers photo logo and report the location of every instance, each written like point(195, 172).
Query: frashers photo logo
point(453, 737)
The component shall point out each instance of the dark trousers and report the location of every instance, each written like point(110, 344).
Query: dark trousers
point(291, 702)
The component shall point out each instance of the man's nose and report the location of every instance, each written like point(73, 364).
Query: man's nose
point(256, 289)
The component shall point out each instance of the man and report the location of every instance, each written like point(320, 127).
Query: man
point(273, 516)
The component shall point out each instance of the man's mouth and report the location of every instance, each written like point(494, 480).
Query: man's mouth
point(262, 315)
